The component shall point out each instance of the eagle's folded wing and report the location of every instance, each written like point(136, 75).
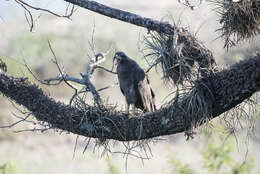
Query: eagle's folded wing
point(145, 90)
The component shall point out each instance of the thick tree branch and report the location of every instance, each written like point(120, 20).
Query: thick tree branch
point(222, 91)
point(125, 16)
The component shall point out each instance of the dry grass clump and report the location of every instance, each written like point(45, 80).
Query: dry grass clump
point(99, 126)
point(243, 116)
point(239, 20)
point(177, 55)
point(196, 103)
point(94, 110)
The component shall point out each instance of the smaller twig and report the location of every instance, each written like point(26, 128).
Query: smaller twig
point(110, 86)
point(29, 21)
point(16, 107)
point(131, 154)
point(59, 79)
point(44, 82)
point(75, 147)
point(21, 119)
point(103, 68)
point(21, 2)
point(99, 58)
point(153, 65)
point(76, 94)
point(188, 4)
point(86, 146)
point(73, 9)
point(32, 130)
point(60, 71)
point(24, 119)
point(15, 123)
point(92, 42)
point(92, 88)
point(67, 78)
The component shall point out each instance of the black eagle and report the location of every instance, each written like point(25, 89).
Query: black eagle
point(134, 84)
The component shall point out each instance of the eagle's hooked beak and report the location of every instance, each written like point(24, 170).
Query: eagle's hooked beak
point(117, 59)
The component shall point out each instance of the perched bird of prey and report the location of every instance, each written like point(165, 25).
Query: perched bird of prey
point(134, 84)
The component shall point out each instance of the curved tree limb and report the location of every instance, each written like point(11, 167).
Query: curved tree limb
point(223, 91)
point(125, 16)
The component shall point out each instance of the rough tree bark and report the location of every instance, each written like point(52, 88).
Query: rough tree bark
point(223, 90)
point(125, 16)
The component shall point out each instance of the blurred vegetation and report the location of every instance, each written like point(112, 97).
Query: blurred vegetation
point(218, 155)
point(180, 168)
point(112, 169)
point(33, 45)
point(8, 168)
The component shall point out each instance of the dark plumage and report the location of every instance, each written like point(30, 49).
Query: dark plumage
point(134, 83)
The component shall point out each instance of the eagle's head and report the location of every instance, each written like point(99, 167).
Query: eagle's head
point(119, 56)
